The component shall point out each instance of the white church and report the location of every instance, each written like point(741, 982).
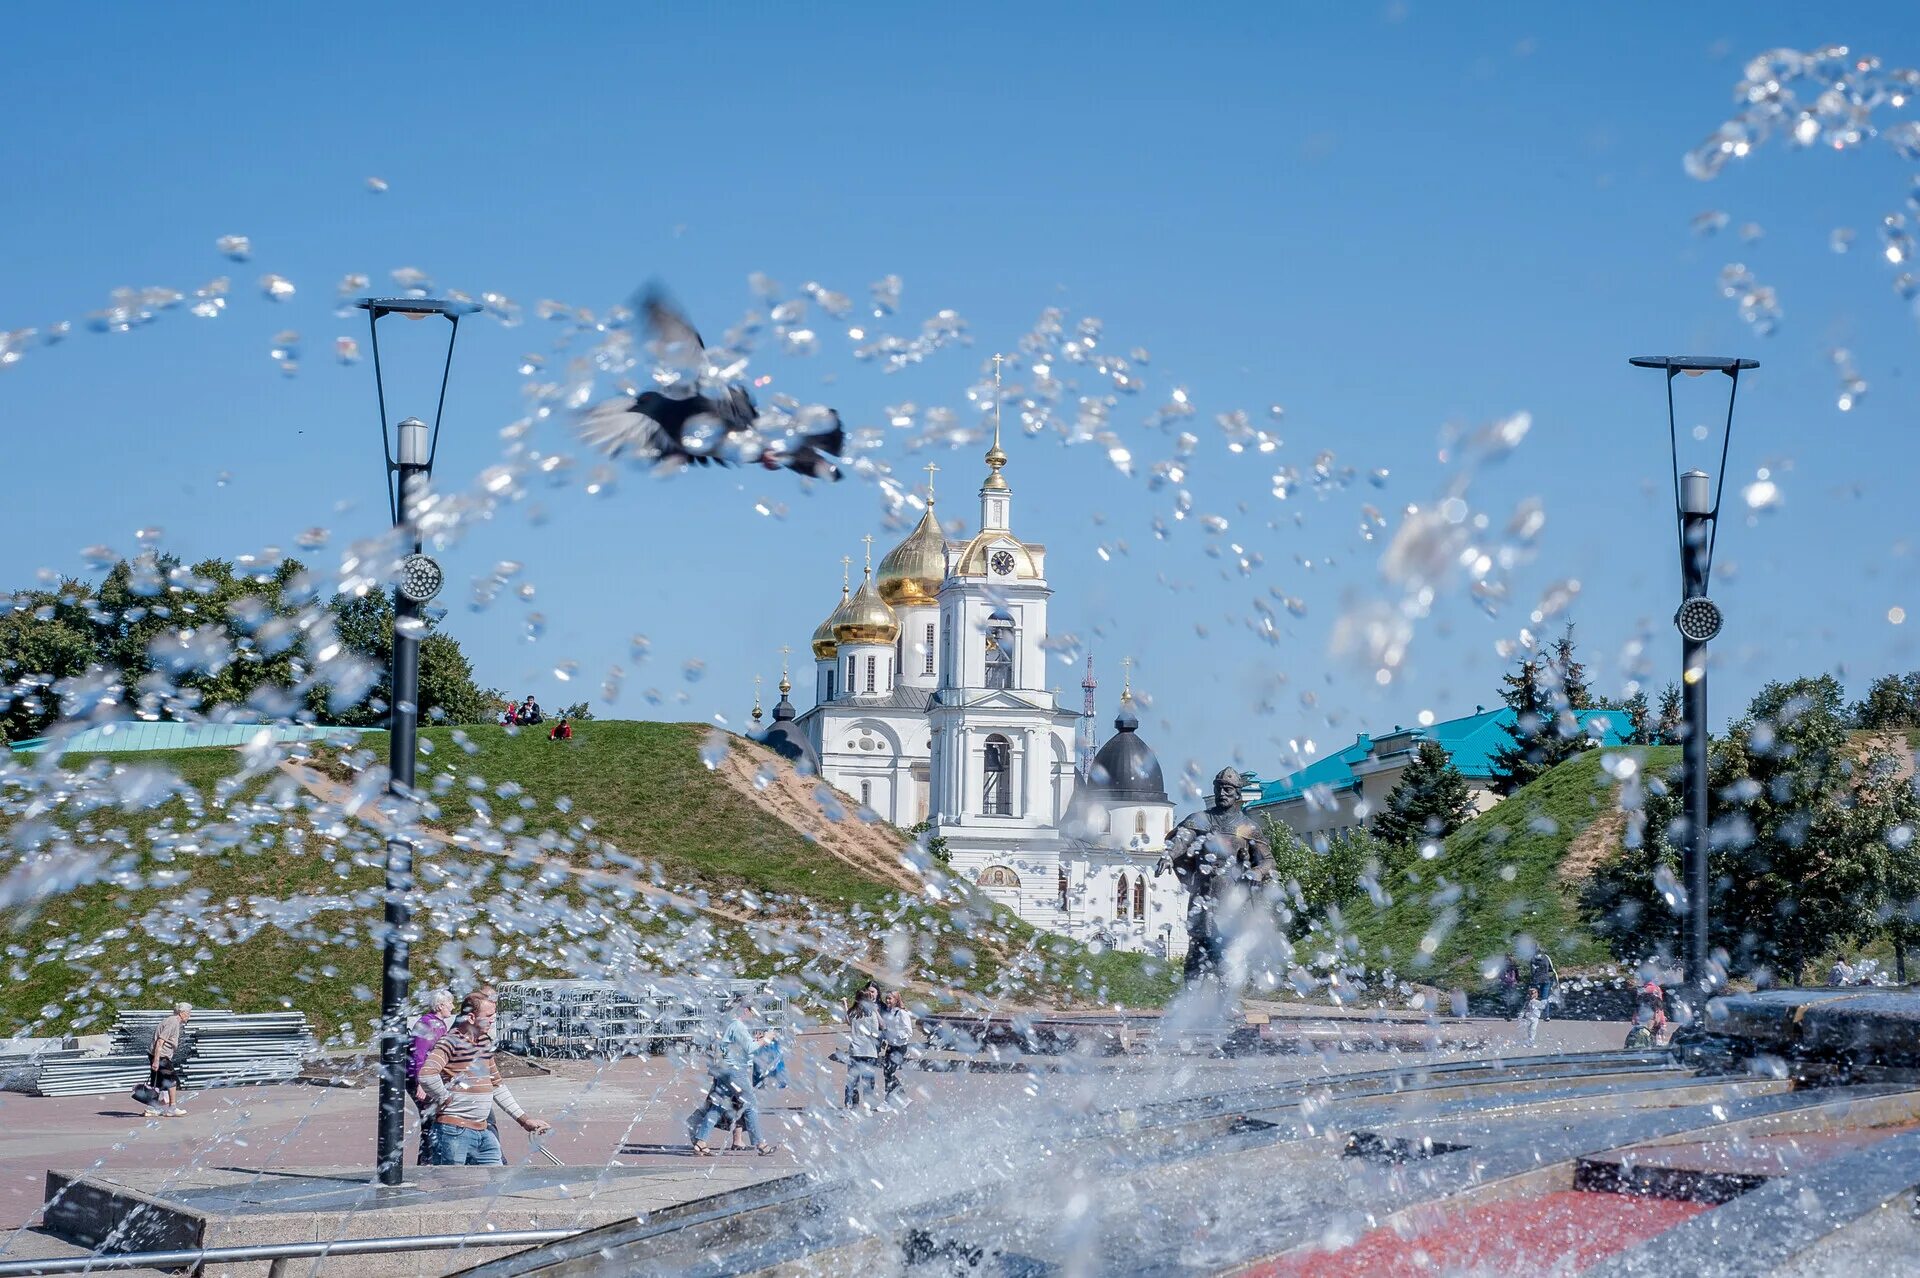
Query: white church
point(931, 703)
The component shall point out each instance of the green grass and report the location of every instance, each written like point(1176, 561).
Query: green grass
point(643, 789)
point(1498, 878)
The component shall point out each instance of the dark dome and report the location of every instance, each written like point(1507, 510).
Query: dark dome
point(1125, 770)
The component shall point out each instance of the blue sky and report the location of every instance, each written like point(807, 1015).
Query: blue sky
point(1383, 218)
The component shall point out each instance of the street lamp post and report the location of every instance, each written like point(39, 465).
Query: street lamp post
point(410, 450)
point(1696, 501)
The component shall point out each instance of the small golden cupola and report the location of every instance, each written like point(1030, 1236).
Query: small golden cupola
point(865, 618)
point(825, 646)
point(911, 574)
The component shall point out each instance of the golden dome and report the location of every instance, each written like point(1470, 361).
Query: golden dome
point(825, 646)
point(911, 573)
point(865, 618)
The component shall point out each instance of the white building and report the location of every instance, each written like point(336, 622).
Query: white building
point(931, 704)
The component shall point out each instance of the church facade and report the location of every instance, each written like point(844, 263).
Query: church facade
point(931, 705)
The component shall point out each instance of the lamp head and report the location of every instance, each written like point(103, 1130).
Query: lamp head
point(1696, 493)
point(413, 449)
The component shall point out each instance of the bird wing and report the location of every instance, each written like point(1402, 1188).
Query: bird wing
point(666, 324)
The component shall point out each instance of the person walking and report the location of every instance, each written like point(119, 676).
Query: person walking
point(1543, 977)
point(731, 1091)
point(428, 1030)
point(863, 1046)
point(896, 1035)
point(164, 1061)
point(464, 1084)
point(1530, 1015)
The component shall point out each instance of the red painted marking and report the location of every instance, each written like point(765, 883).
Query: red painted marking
point(1558, 1231)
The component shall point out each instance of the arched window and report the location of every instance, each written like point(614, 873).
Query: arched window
point(870, 661)
point(929, 665)
point(1140, 897)
point(998, 876)
point(996, 792)
point(1120, 899)
point(866, 794)
point(1063, 887)
point(999, 661)
point(830, 675)
point(1140, 821)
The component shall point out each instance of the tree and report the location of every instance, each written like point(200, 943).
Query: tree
point(1886, 817)
point(45, 637)
point(1892, 701)
point(1795, 867)
point(1570, 674)
point(1322, 877)
point(448, 694)
point(1542, 733)
point(1639, 719)
point(579, 711)
point(936, 844)
point(1667, 725)
point(1430, 801)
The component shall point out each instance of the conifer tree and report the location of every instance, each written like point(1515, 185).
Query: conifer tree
point(1639, 720)
point(1571, 673)
point(1431, 801)
point(1524, 756)
point(1666, 724)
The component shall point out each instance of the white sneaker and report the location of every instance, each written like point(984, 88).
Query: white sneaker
point(152, 1113)
point(174, 1111)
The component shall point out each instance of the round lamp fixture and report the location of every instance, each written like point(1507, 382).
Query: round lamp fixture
point(420, 578)
point(1698, 619)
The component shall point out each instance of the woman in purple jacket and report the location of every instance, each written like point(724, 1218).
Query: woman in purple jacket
point(427, 1031)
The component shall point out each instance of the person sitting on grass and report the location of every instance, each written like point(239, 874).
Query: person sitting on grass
point(562, 731)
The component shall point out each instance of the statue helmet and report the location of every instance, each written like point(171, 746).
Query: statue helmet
point(1229, 776)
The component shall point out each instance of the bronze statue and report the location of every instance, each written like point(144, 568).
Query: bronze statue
point(1222, 859)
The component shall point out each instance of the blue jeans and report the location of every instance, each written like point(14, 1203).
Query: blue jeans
point(459, 1147)
point(749, 1112)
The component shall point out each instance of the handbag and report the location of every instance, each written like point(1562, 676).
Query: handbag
point(145, 1094)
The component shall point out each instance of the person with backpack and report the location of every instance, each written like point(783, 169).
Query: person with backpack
point(170, 1051)
point(1543, 977)
point(731, 1092)
point(1649, 1016)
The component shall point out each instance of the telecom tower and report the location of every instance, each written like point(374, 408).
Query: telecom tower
point(1086, 723)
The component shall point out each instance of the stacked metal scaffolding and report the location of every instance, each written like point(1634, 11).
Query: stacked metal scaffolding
point(607, 1020)
point(224, 1049)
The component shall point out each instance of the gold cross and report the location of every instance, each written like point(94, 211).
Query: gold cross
point(846, 571)
point(869, 540)
point(784, 650)
point(931, 470)
point(1126, 678)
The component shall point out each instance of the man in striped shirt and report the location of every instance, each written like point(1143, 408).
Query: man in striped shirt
point(464, 1085)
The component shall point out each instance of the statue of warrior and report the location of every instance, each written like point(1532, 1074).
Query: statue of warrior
point(1222, 859)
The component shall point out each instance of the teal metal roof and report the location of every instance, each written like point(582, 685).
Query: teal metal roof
point(135, 735)
point(1470, 741)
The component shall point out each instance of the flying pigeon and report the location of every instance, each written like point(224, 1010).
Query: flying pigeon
point(697, 428)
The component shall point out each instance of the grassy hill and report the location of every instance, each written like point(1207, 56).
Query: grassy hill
point(1514, 870)
point(621, 850)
